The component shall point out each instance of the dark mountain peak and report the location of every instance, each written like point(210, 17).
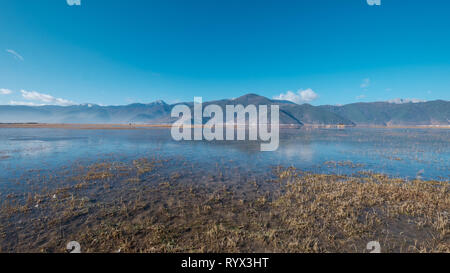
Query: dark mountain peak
point(252, 99)
point(250, 95)
point(158, 102)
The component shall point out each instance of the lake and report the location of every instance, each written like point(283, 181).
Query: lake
point(140, 191)
point(404, 153)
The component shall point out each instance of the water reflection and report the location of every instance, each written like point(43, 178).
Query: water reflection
point(397, 152)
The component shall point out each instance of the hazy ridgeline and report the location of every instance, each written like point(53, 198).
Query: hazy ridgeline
point(376, 113)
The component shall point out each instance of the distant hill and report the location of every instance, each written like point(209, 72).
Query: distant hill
point(87, 113)
point(158, 112)
point(387, 114)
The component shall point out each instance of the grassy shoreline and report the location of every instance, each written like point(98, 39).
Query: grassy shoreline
point(133, 208)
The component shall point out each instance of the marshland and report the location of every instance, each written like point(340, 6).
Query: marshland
point(324, 190)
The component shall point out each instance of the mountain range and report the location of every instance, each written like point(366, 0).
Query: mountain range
point(376, 113)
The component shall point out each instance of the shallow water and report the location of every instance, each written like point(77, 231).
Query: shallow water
point(405, 153)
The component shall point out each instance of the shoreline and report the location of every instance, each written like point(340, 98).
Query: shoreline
point(77, 126)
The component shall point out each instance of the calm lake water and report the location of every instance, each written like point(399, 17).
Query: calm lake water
point(405, 153)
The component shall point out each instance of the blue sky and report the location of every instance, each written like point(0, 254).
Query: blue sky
point(323, 51)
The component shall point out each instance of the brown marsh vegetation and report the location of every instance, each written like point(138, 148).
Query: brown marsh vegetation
point(138, 207)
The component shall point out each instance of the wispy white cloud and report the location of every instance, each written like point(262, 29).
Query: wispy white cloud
point(365, 83)
point(401, 101)
point(74, 2)
point(16, 55)
point(308, 95)
point(302, 96)
point(4, 91)
point(44, 99)
point(360, 97)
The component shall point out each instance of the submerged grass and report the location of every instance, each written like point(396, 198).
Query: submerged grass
point(134, 208)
